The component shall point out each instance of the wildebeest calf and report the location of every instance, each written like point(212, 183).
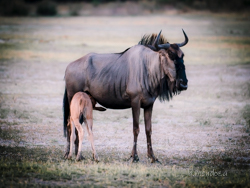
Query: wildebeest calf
point(81, 107)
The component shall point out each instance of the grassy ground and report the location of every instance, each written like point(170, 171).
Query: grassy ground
point(201, 137)
point(44, 166)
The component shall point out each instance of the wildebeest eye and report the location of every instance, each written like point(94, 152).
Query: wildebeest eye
point(171, 55)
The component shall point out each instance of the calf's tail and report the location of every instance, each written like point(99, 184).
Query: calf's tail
point(65, 112)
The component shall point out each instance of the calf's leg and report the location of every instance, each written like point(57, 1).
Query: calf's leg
point(89, 125)
point(80, 136)
point(77, 137)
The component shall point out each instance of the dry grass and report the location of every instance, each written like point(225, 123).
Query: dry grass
point(45, 166)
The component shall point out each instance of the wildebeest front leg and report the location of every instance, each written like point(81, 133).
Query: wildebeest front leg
point(148, 129)
point(136, 113)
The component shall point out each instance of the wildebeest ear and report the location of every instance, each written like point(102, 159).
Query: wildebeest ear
point(168, 67)
point(177, 50)
point(180, 53)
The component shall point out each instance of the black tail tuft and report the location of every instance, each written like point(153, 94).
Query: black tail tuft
point(65, 112)
point(99, 109)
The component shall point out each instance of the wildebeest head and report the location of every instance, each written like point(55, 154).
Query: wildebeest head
point(176, 55)
point(171, 56)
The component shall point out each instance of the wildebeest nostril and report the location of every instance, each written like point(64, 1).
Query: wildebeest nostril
point(183, 82)
point(182, 85)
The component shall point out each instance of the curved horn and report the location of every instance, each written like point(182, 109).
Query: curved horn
point(164, 46)
point(155, 43)
point(186, 40)
point(160, 46)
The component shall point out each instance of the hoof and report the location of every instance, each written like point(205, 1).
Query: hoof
point(158, 162)
point(66, 155)
point(154, 160)
point(96, 159)
point(79, 158)
point(135, 159)
point(69, 157)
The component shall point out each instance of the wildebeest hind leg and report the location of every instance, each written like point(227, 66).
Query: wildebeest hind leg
point(72, 135)
point(68, 139)
point(76, 142)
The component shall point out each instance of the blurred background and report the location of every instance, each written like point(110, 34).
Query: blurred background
point(116, 7)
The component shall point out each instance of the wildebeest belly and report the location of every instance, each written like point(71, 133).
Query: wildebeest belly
point(115, 104)
point(110, 98)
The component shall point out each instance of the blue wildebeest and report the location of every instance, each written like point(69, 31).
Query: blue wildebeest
point(130, 79)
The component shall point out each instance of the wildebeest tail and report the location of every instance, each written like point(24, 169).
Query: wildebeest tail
point(65, 111)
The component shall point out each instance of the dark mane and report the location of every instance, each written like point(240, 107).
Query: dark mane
point(167, 89)
point(149, 39)
point(121, 53)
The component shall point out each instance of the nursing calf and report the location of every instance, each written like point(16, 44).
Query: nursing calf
point(81, 108)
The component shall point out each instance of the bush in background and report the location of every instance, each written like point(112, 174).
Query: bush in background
point(32, 1)
point(213, 5)
point(46, 8)
point(14, 8)
point(74, 9)
point(229, 5)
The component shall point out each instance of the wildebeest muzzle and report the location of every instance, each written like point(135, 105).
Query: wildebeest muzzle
point(181, 82)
